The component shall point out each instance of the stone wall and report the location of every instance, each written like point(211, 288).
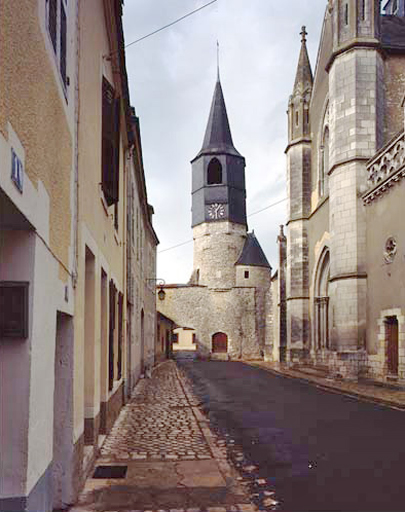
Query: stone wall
point(209, 311)
point(217, 246)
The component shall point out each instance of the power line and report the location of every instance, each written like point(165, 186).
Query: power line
point(175, 246)
point(171, 24)
point(267, 207)
point(254, 213)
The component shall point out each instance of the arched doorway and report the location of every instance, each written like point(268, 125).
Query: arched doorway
point(219, 343)
point(321, 306)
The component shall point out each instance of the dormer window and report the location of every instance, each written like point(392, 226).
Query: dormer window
point(214, 172)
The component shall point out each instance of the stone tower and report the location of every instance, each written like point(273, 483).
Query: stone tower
point(228, 300)
point(218, 202)
point(355, 71)
point(299, 194)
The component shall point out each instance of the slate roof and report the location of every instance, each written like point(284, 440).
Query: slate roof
point(252, 254)
point(393, 32)
point(218, 138)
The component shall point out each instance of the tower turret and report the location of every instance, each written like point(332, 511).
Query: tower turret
point(355, 21)
point(299, 203)
point(218, 183)
point(298, 108)
point(218, 201)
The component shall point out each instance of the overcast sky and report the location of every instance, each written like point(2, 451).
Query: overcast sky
point(172, 77)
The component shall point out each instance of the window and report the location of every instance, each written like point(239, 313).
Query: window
point(346, 13)
point(214, 172)
point(110, 144)
point(297, 119)
point(13, 309)
point(57, 29)
point(324, 163)
point(363, 9)
point(194, 339)
point(246, 274)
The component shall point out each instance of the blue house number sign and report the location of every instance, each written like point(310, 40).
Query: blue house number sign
point(17, 171)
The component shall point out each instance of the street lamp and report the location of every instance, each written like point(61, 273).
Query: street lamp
point(161, 283)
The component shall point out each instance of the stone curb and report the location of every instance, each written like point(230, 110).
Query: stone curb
point(243, 507)
point(332, 387)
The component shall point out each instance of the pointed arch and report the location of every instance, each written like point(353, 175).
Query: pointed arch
point(214, 172)
point(321, 302)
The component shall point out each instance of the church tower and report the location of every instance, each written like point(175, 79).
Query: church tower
point(218, 202)
point(299, 203)
point(356, 73)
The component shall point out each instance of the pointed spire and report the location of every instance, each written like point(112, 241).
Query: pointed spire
point(303, 78)
point(218, 138)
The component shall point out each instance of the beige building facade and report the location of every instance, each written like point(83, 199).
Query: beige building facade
point(68, 154)
point(38, 109)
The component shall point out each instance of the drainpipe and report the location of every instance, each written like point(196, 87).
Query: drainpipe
point(76, 153)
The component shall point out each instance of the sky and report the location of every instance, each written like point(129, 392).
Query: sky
point(172, 77)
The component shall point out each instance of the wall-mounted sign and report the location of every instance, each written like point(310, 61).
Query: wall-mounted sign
point(17, 171)
point(13, 309)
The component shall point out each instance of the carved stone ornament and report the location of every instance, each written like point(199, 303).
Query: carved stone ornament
point(390, 250)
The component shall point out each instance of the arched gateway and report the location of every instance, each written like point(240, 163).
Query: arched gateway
point(219, 343)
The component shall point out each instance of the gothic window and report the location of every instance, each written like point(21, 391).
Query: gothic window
point(214, 172)
point(321, 309)
point(363, 9)
point(324, 163)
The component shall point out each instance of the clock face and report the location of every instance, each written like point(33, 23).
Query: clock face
point(216, 211)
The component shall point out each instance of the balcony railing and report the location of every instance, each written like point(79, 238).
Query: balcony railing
point(386, 168)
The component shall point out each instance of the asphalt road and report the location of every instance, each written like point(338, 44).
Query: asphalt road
point(319, 450)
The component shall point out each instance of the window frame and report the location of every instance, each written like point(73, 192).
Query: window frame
point(58, 36)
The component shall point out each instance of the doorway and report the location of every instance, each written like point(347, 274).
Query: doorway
point(219, 343)
point(391, 332)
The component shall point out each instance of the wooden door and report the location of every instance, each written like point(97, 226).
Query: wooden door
point(392, 344)
point(220, 343)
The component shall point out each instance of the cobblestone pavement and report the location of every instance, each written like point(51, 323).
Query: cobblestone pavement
point(158, 424)
point(171, 459)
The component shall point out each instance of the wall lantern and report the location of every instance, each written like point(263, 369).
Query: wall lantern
point(159, 282)
point(161, 294)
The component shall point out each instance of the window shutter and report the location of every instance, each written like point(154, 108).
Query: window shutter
point(63, 30)
point(116, 135)
point(52, 17)
point(108, 142)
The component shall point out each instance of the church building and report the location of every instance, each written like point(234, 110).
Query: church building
point(227, 301)
point(345, 252)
